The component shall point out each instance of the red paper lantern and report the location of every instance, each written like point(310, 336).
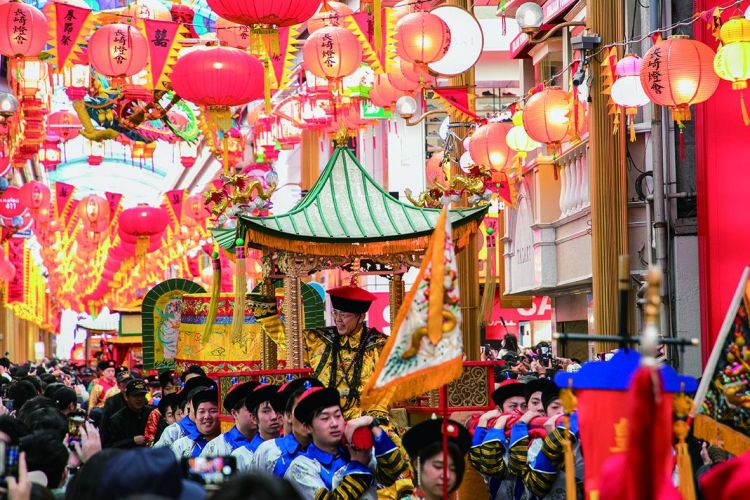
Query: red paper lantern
point(678, 72)
point(35, 195)
point(332, 53)
point(65, 125)
point(330, 14)
point(94, 212)
point(23, 30)
point(218, 76)
point(488, 146)
point(10, 203)
point(118, 50)
point(422, 38)
point(269, 12)
point(143, 221)
point(546, 116)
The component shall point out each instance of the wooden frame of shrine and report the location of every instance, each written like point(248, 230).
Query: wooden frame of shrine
point(345, 220)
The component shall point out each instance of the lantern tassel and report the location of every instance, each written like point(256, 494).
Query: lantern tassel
point(267, 85)
point(631, 127)
point(745, 117)
point(141, 248)
point(269, 37)
point(681, 127)
point(240, 291)
point(213, 305)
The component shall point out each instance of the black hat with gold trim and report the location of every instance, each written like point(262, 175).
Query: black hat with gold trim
point(315, 399)
point(431, 431)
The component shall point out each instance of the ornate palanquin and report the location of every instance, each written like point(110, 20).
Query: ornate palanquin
point(347, 220)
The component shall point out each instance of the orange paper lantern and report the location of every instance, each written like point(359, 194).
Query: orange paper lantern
point(488, 146)
point(546, 116)
point(422, 38)
point(94, 212)
point(677, 73)
point(383, 93)
point(332, 53)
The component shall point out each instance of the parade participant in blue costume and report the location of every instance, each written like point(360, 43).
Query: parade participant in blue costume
point(205, 405)
point(275, 456)
point(258, 403)
point(245, 424)
point(489, 452)
point(424, 444)
point(186, 425)
point(332, 467)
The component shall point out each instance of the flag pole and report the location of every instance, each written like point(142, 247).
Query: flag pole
point(444, 412)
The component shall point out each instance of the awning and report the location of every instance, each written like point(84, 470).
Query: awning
point(128, 339)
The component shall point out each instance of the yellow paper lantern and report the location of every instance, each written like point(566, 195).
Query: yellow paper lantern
point(519, 141)
point(732, 60)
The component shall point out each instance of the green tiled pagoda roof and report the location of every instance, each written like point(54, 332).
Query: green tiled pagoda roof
point(346, 205)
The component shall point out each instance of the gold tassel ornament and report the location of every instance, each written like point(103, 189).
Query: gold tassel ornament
point(215, 292)
point(569, 403)
point(681, 407)
point(240, 292)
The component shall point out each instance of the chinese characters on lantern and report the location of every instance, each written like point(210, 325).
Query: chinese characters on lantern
point(328, 54)
point(654, 76)
point(20, 29)
point(120, 49)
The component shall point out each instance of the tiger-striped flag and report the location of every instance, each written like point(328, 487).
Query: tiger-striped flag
point(425, 349)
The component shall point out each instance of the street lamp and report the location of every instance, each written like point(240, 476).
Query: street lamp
point(529, 17)
point(406, 108)
point(8, 105)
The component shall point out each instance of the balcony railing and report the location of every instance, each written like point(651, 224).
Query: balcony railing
point(574, 180)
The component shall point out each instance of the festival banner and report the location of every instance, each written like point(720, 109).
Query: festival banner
point(425, 349)
point(16, 286)
point(457, 102)
point(380, 58)
point(63, 197)
point(113, 199)
point(69, 26)
point(163, 39)
point(174, 199)
point(723, 398)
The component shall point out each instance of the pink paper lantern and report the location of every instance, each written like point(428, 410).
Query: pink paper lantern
point(118, 50)
point(23, 30)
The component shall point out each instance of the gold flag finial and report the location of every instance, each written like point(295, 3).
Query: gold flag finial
point(651, 310)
